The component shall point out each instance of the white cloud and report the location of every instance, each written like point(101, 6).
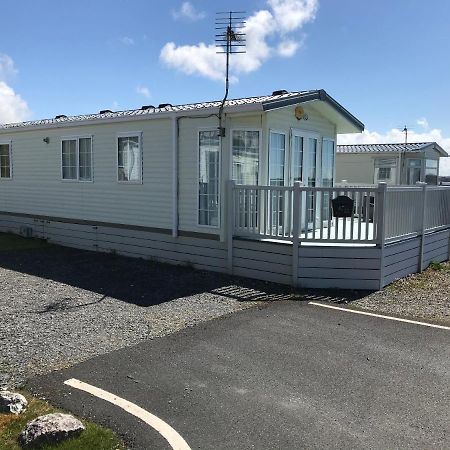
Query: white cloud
point(293, 14)
point(7, 67)
point(267, 35)
point(145, 91)
point(188, 11)
point(127, 40)
point(396, 135)
point(423, 122)
point(12, 107)
point(288, 48)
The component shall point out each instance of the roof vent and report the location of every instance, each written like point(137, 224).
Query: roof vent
point(145, 107)
point(280, 92)
point(105, 111)
point(164, 105)
point(61, 116)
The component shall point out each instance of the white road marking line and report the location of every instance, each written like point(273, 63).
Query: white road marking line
point(415, 322)
point(165, 430)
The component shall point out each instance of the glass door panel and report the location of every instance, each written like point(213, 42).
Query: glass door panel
point(311, 178)
point(277, 162)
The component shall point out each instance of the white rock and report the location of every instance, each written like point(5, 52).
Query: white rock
point(50, 428)
point(12, 402)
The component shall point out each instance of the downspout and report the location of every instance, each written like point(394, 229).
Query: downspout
point(175, 151)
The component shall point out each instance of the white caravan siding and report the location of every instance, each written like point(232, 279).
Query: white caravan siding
point(284, 120)
point(37, 188)
point(188, 164)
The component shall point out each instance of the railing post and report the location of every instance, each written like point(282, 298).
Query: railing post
point(381, 226)
point(295, 231)
point(230, 224)
point(423, 223)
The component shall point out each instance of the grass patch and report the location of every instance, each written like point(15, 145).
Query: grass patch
point(442, 267)
point(10, 242)
point(93, 437)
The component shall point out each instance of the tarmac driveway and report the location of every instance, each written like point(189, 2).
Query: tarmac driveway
point(289, 376)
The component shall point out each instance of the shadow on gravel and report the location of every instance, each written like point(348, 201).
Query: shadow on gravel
point(146, 283)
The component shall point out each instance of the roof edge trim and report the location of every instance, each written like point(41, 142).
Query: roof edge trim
point(320, 95)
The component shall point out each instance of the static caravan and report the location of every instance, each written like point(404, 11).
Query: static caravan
point(165, 183)
point(394, 164)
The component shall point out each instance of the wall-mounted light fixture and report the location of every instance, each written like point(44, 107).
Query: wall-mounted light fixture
point(46, 140)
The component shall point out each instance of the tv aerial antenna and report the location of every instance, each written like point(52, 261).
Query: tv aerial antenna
point(230, 39)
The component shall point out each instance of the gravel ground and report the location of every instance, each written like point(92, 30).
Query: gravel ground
point(424, 296)
point(60, 306)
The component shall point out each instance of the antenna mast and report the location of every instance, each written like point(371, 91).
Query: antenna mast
point(230, 39)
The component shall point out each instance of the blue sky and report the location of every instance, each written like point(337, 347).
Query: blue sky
point(386, 61)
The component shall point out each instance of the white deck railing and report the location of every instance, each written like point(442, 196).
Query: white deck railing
point(304, 214)
point(411, 210)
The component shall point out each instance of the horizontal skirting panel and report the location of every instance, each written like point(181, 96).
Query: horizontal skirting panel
point(339, 273)
point(269, 261)
point(407, 263)
point(262, 266)
point(437, 236)
point(434, 255)
point(263, 246)
point(254, 255)
point(344, 263)
point(261, 275)
point(403, 272)
point(397, 258)
point(201, 253)
point(401, 246)
point(108, 225)
point(429, 247)
point(333, 283)
point(339, 252)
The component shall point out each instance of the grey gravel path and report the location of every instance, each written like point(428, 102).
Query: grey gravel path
point(423, 296)
point(60, 306)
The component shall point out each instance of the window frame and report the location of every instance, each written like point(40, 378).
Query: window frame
point(9, 144)
point(219, 212)
point(77, 138)
point(129, 134)
point(260, 155)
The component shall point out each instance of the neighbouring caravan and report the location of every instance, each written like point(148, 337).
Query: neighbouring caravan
point(394, 164)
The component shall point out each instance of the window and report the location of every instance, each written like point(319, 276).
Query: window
point(245, 150)
point(129, 160)
point(327, 163)
point(311, 174)
point(5, 160)
point(208, 177)
point(384, 173)
point(277, 150)
point(76, 158)
point(431, 171)
point(414, 170)
point(327, 175)
point(297, 158)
